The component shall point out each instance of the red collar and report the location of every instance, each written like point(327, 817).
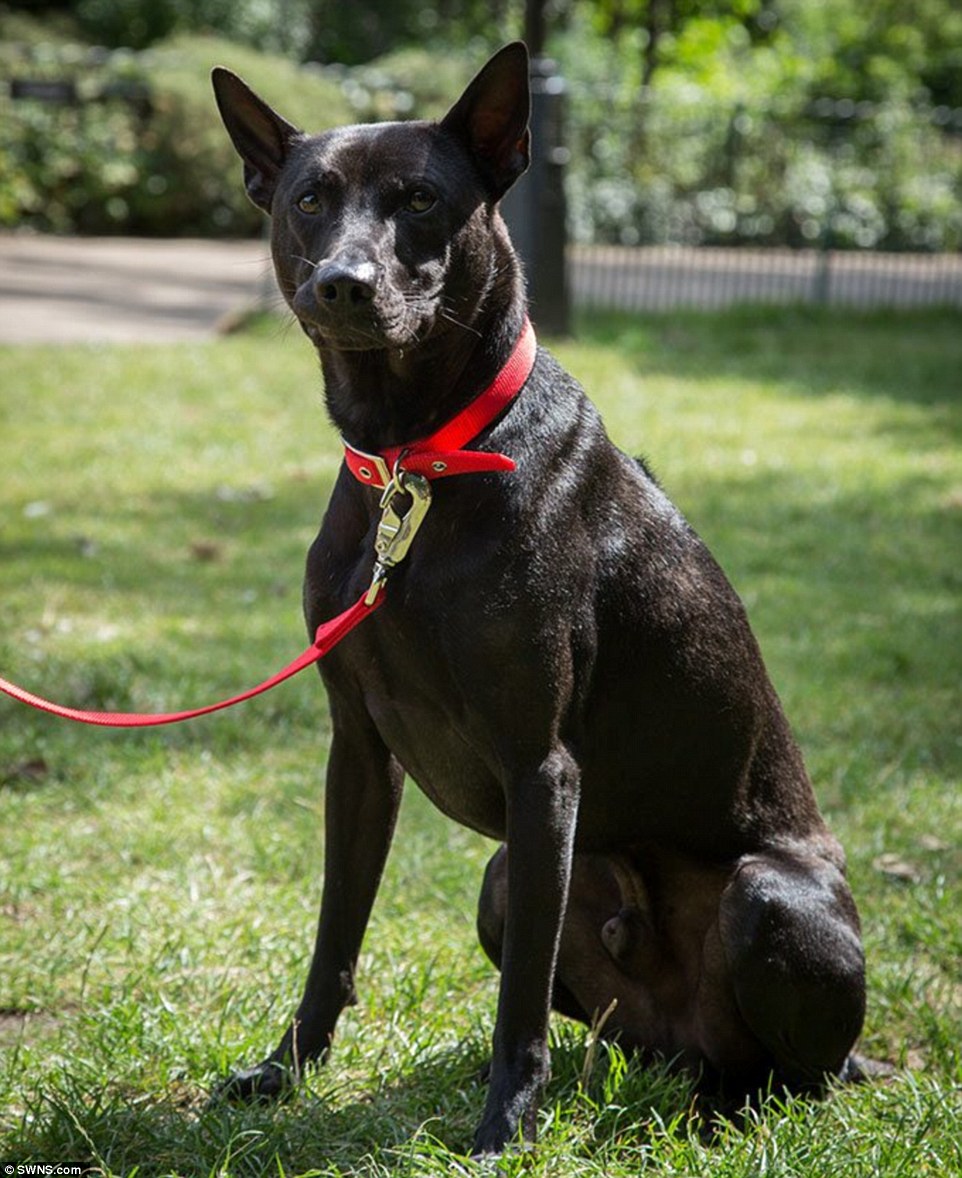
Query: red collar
point(442, 453)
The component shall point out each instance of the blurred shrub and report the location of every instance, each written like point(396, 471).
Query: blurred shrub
point(138, 24)
point(736, 144)
point(127, 22)
point(726, 157)
point(105, 166)
point(882, 176)
point(408, 83)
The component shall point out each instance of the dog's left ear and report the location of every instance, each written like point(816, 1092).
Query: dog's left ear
point(260, 135)
point(491, 118)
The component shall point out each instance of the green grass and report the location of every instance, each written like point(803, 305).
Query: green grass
point(158, 890)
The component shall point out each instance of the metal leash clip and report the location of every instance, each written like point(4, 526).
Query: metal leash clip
point(395, 529)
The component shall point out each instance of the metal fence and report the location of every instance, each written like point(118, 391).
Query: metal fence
point(839, 203)
point(662, 278)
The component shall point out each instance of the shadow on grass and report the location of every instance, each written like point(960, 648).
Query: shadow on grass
point(913, 356)
point(427, 1114)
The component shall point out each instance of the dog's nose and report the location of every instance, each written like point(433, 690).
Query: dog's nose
point(347, 283)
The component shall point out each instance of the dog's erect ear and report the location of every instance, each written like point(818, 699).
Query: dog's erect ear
point(262, 138)
point(491, 117)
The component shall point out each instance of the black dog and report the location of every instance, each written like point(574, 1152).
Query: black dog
point(559, 663)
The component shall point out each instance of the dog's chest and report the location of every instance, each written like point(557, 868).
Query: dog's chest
point(442, 751)
point(418, 682)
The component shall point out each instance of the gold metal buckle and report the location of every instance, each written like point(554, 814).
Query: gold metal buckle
point(396, 530)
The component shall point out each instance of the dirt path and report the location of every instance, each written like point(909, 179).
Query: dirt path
point(95, 290)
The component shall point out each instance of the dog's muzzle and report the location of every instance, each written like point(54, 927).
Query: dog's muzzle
point(346, 303)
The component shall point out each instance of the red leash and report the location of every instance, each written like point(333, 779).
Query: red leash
point(437, 456)
point(328, 635)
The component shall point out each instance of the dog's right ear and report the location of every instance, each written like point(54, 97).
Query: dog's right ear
point(262, 138)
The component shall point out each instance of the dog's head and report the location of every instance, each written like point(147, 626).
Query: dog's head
point(383, 234)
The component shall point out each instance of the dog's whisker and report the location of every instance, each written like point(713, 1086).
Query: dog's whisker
point(449, 318)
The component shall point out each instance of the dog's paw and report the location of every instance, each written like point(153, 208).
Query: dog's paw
point(266, 1082)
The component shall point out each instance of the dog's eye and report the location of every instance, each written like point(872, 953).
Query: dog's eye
point(419, 200)
point(309, 203)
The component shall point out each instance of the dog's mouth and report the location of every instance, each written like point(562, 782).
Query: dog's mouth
point(345, 337)
point(363, 333)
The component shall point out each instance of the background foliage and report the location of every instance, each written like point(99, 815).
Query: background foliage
point(720, 121)
point(102, 167)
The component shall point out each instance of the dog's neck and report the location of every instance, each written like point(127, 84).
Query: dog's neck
point(383, 398)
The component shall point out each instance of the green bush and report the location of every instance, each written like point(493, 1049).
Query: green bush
point(723, 156)
point(408, 83)
point(141, 23)
point(737, 144)
point(103, 166)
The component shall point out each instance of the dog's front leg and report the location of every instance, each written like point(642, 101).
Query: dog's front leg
point(364, 784)
point(541, 815)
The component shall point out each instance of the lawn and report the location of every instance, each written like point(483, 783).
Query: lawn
point(158, 890)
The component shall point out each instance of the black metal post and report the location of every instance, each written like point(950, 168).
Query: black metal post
point(535, 208)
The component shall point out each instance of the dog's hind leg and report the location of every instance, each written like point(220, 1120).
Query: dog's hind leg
point(610, 950)
point(740, 974)
point(789, 934)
